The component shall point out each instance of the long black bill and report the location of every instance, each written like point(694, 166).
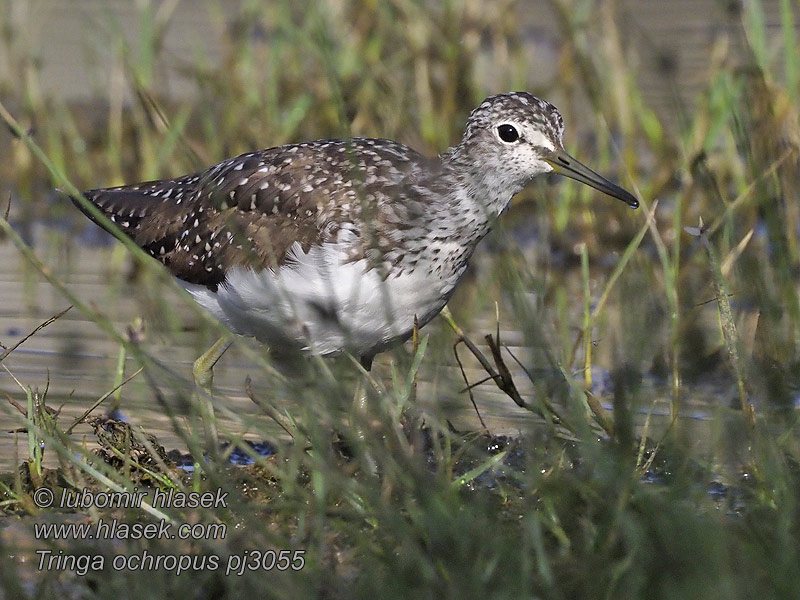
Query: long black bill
point(564, 164)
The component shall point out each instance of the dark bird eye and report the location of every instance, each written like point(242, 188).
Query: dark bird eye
point(508, 133)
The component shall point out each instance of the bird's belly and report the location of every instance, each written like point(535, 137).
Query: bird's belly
point(323, 303)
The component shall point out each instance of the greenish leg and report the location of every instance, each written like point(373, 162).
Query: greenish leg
point(361, 408)
point(203, 377)
point(203, 367)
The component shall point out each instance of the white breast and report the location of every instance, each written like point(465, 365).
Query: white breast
point(318, 300)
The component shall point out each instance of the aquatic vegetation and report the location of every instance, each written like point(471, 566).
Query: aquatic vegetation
point(634, 375)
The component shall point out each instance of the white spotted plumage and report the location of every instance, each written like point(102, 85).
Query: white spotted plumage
point(341, 244)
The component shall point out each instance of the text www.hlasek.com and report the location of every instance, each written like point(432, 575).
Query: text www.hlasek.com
point(114, 529)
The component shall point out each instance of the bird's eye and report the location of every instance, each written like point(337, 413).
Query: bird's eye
point(508, 133)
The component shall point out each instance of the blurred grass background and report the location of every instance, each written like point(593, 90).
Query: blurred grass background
point(692, 105)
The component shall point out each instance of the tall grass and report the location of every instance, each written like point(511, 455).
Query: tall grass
point(587, 326)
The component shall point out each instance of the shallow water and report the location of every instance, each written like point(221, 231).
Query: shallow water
point(75, 360)
point(79, 359)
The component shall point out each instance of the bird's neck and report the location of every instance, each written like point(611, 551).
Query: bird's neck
point(481, 189)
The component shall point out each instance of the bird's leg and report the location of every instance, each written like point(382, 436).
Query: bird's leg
point(361, 390)
point(360, 406)
point(203, 376)
point(410, 419)
point(202, 370)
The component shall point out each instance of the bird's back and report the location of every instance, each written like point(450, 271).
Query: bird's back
point(252, 210)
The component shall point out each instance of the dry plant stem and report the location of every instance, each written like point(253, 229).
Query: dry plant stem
point(28, 253)
point(102, 321)
point(555, 416)
point(98, 318)
point(650, 222)
point(52, 412)
point(670, 264)
point(506, 386)
point(728, 327)
point(52, 319)
point(272, 412)
point(501, 377)
point(730, 207)
point(469, 387)
point(600, 413)
point(734, 254)
point(100, 400)
point(587, 320)
point(164, 476)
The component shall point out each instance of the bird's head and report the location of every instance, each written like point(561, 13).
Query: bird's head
point(511, 138)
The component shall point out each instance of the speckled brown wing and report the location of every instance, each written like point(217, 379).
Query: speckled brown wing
point(251, 209)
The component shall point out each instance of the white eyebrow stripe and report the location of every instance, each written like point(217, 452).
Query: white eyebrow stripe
point(537, 138)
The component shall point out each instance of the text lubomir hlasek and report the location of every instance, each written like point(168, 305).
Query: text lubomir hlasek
point(171, 498)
